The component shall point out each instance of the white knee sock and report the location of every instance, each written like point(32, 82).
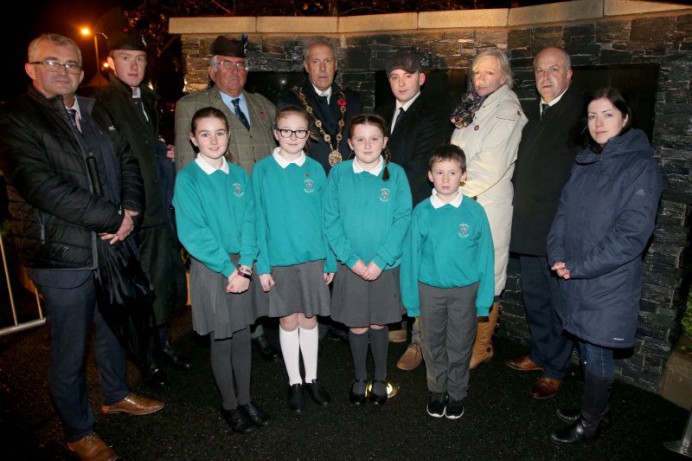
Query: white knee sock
point(309, 344)
point(290, 348)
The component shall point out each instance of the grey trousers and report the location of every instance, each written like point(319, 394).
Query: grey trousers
point(448, 329)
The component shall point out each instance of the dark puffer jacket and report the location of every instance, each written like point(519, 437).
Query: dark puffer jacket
point(55, 215)
point(604, 221)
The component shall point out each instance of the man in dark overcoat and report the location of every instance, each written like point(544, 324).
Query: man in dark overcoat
point(550, 141)
point(133, 107)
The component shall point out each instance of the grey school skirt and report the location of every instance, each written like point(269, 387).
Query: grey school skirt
point(215, 310)
point(359, 303)
point(299, 288)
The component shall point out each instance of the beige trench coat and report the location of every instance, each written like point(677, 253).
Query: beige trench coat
point(490, 143)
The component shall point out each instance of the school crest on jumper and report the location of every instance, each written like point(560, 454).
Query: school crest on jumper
point(463, 230)
point(309, 186)
point(238, 190)
point(384, 195)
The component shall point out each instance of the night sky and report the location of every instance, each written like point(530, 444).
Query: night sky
point(38, 16)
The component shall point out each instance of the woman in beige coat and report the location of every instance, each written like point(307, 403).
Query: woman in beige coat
point(489, 122)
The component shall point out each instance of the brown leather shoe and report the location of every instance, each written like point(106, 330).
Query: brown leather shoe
point(411, 358)
point(545, 388)
point(92, 448)
point(523, 364)
point(134, 405)
point(398, 336)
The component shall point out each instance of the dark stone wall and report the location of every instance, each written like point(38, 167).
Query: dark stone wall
point(662, 40)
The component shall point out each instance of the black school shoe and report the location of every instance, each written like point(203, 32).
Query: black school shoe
point(296, 399)
point(318, 393)
point(255, 414)
point(356, 398)
point(237, 421)
point(375, 398)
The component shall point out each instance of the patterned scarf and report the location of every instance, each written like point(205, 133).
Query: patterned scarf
point(465, 112)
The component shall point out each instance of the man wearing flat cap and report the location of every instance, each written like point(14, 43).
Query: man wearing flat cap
point(417, 127)
point(133, 107)
point(250, 118)
point(250, 115)
point(329, 105)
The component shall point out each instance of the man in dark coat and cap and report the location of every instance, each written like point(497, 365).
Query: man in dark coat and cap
point(133, 108)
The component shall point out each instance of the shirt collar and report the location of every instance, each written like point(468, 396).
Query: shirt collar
point(327, 93)
point(437, 203)
point(283, 162)
point(75, 106)
point(136, 92)
point(227, 98)
point(407, 104)
point(556, 100)
point(358, 168)
point(208, 169)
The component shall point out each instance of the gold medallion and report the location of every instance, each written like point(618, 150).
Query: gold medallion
point(335, 157)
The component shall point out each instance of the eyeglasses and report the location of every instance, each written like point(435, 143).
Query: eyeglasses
point(300, 134)
point(240, 66)
point(54, 66)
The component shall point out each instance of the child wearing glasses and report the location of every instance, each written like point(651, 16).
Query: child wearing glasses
point(294, 263)
point(214, 212)
point(367, 214)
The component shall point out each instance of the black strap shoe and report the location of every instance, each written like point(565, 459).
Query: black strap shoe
point(256, 415)
point(296, 399)
point(375, 398)
point(318, 393)
point(237, 420)
point(356, 398)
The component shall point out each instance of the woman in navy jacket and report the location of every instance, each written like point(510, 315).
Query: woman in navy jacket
point(603, 225)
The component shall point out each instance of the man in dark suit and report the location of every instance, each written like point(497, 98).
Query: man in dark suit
point(330, 106)
point(134, 109)
point(549, 143)
point(417, 127)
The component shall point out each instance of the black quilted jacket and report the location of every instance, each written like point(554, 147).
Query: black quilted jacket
point(55, 215)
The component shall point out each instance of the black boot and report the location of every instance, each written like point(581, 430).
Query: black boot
point(597, 390)
point(153, 375)
point(268, 352)
point(168, 353)
point(572, 415)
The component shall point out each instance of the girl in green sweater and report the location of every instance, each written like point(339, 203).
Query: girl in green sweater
point(294, 263)
point(367, 214)
point(216, 224)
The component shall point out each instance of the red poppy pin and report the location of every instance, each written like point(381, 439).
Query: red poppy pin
point(341, 102)
point(307, 175)
point(262, 116)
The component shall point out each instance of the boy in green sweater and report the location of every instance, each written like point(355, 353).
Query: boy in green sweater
point(447, 279)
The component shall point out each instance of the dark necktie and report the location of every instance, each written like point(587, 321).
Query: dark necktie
point(239, 113)
point(72, 115)
point(398, 117)
point(544, 109)
point(323, 98)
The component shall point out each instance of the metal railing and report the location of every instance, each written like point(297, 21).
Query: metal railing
point(16, 324)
